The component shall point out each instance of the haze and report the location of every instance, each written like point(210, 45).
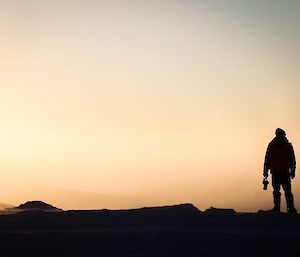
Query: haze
point(121, 104)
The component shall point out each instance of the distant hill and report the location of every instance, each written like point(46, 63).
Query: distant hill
point(219, 212)
point(36, 205)
point(4, 206)
point(82, 200)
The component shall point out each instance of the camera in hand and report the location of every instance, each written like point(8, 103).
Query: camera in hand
point(265, 183)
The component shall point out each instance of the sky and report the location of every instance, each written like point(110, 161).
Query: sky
point(124, 104)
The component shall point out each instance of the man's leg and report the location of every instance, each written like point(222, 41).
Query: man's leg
point(286, 185)
point(276, 191)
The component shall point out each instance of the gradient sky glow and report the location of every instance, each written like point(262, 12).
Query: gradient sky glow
point(145, 102)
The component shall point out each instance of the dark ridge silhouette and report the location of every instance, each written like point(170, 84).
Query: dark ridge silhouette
point(82, 219)
point(167, 231)
point(36, 205)
point(220, 212)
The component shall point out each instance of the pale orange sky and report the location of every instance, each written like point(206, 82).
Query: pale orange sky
point(120, 104)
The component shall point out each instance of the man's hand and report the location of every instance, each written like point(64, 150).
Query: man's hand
point(293, 173)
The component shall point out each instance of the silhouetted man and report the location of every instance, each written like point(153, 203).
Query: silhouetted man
point(280, 159)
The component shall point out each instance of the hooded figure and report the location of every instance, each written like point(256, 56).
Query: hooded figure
point(280, 159)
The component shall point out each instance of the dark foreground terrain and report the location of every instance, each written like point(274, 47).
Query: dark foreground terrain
point(180, 230)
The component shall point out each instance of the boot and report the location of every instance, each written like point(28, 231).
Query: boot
point(290, 203)
point(276, 199)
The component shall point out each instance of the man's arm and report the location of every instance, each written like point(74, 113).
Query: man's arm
point(267, 161)
point(293, 162)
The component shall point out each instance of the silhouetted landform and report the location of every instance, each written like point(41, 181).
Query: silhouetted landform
point(180, 230)
point(220, 212)
point(36, 205)
point(4, 206)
